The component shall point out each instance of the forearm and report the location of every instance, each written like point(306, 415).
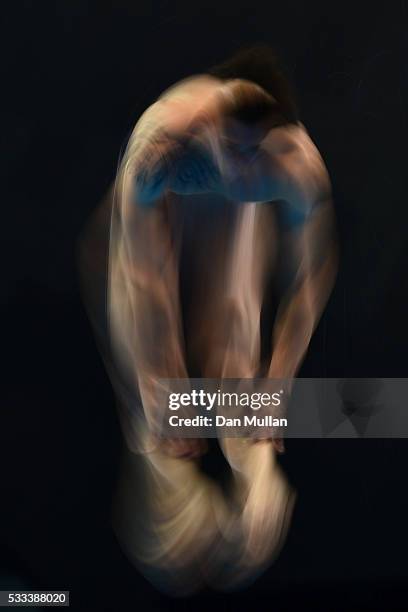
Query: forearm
point(291, 336)
point(158, 330)
point(154, 336)
point(297, 318)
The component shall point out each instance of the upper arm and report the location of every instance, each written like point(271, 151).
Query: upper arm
point(305, 182)
point(305, 214)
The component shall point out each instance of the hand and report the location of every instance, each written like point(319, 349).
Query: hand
point(182, 448)
point(270, 433)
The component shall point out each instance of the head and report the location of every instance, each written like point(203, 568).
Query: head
point(248, 114)
point(259, 96)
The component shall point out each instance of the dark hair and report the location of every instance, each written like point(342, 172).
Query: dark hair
point(260, 64)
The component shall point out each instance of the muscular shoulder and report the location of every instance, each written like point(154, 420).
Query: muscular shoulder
point(298, 166)
point(174, 113)
point(180, 104)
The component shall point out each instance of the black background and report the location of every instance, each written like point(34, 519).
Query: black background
point(75, 77)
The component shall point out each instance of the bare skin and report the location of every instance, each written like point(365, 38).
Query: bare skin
point(187, 144)
point(263, 163)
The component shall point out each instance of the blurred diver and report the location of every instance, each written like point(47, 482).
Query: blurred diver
point(219, 190)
